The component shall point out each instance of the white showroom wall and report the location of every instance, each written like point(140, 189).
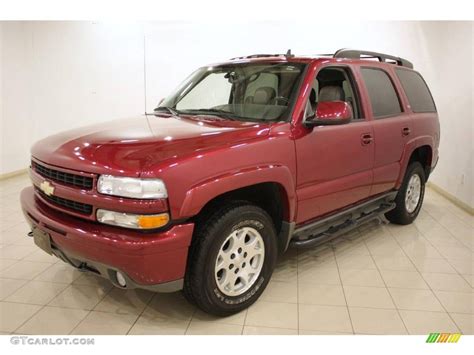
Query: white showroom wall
point(17, 126)
point(1, 97)
point(58, 75)
point(174, 50)
point(451, 77)
point(62, 75)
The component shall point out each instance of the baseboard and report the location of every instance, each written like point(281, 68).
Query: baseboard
point(12, 174)
point(462, 205)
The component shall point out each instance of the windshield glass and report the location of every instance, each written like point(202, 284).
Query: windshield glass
point(248, 91)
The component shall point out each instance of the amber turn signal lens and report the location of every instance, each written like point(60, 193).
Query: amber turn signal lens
point(153, 221)
point(135, 221)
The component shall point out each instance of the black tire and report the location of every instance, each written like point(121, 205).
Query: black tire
point(400, 215)
point(200, 286)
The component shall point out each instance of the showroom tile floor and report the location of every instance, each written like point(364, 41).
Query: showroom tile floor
point(380, 279)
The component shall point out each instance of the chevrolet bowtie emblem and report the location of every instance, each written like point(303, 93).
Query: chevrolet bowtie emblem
point(47, 188)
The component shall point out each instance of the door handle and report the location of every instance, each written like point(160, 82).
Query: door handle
point(366, 139)
point(406, 131)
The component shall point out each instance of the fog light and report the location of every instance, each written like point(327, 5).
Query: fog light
point(135, 221)
point(120, 279)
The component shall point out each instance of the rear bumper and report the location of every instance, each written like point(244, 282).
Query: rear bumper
point(155, 261)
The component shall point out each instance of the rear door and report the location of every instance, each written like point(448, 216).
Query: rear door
point(392, 126)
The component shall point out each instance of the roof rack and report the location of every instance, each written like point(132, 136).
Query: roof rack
point(357, 54)
point(288, 54)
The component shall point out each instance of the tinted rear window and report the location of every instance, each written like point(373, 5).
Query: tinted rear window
point(417, 91)
point(382, 94)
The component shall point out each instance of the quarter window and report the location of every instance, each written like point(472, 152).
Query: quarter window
point(382, 94)
point(416, 90)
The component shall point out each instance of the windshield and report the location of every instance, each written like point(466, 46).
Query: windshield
point(247, 91)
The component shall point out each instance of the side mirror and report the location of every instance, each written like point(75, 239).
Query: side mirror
point(330, 113)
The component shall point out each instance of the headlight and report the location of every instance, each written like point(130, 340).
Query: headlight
point(132, 187)
point(135, 221)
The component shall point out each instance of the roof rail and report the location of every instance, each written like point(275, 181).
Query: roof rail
point(288, 54)
point(358, 54)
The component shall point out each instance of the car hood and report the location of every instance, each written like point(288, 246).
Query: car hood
point(129, 147)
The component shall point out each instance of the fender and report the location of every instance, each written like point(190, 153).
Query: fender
point(408, 151)
point(199, 195)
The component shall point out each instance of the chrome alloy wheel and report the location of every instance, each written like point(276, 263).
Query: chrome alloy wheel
point(239, 261)
point(413, 193)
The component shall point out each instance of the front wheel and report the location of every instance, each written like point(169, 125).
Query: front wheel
point(410, 196)
point(231, 259)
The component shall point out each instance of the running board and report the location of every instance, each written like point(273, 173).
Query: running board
point(331, 227)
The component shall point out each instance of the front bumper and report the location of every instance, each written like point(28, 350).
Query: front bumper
point(155, 261)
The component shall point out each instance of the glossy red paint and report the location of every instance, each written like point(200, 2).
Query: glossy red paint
point(318, 170)
point(148, 259)
point(330, 178)
point(334, 111)
point(132, 146)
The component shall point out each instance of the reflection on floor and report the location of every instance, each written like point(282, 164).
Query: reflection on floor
point(380, 279)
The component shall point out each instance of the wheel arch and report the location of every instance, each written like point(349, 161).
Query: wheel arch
point(420, 150)
point(270, 188)
point(273, 177)
point(270, 196)
point(423, 155)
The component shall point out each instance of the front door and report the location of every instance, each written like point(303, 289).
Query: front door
point(334, 163)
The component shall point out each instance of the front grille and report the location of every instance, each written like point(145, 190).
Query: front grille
point(82, 182)
point(79, 207)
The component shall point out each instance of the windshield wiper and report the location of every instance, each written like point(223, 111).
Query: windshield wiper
point(166, 108)
point(213, 112)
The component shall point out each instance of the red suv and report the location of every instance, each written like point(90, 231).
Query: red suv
point(244, 159)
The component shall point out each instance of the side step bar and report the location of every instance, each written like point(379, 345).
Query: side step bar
point(331, 227)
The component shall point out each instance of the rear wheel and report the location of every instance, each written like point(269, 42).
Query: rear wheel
point(410, 196)
point(231, 260)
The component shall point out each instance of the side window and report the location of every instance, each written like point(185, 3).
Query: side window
point(213, 90)
point(416, 90)
point(334, 84)
point(382, 94)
